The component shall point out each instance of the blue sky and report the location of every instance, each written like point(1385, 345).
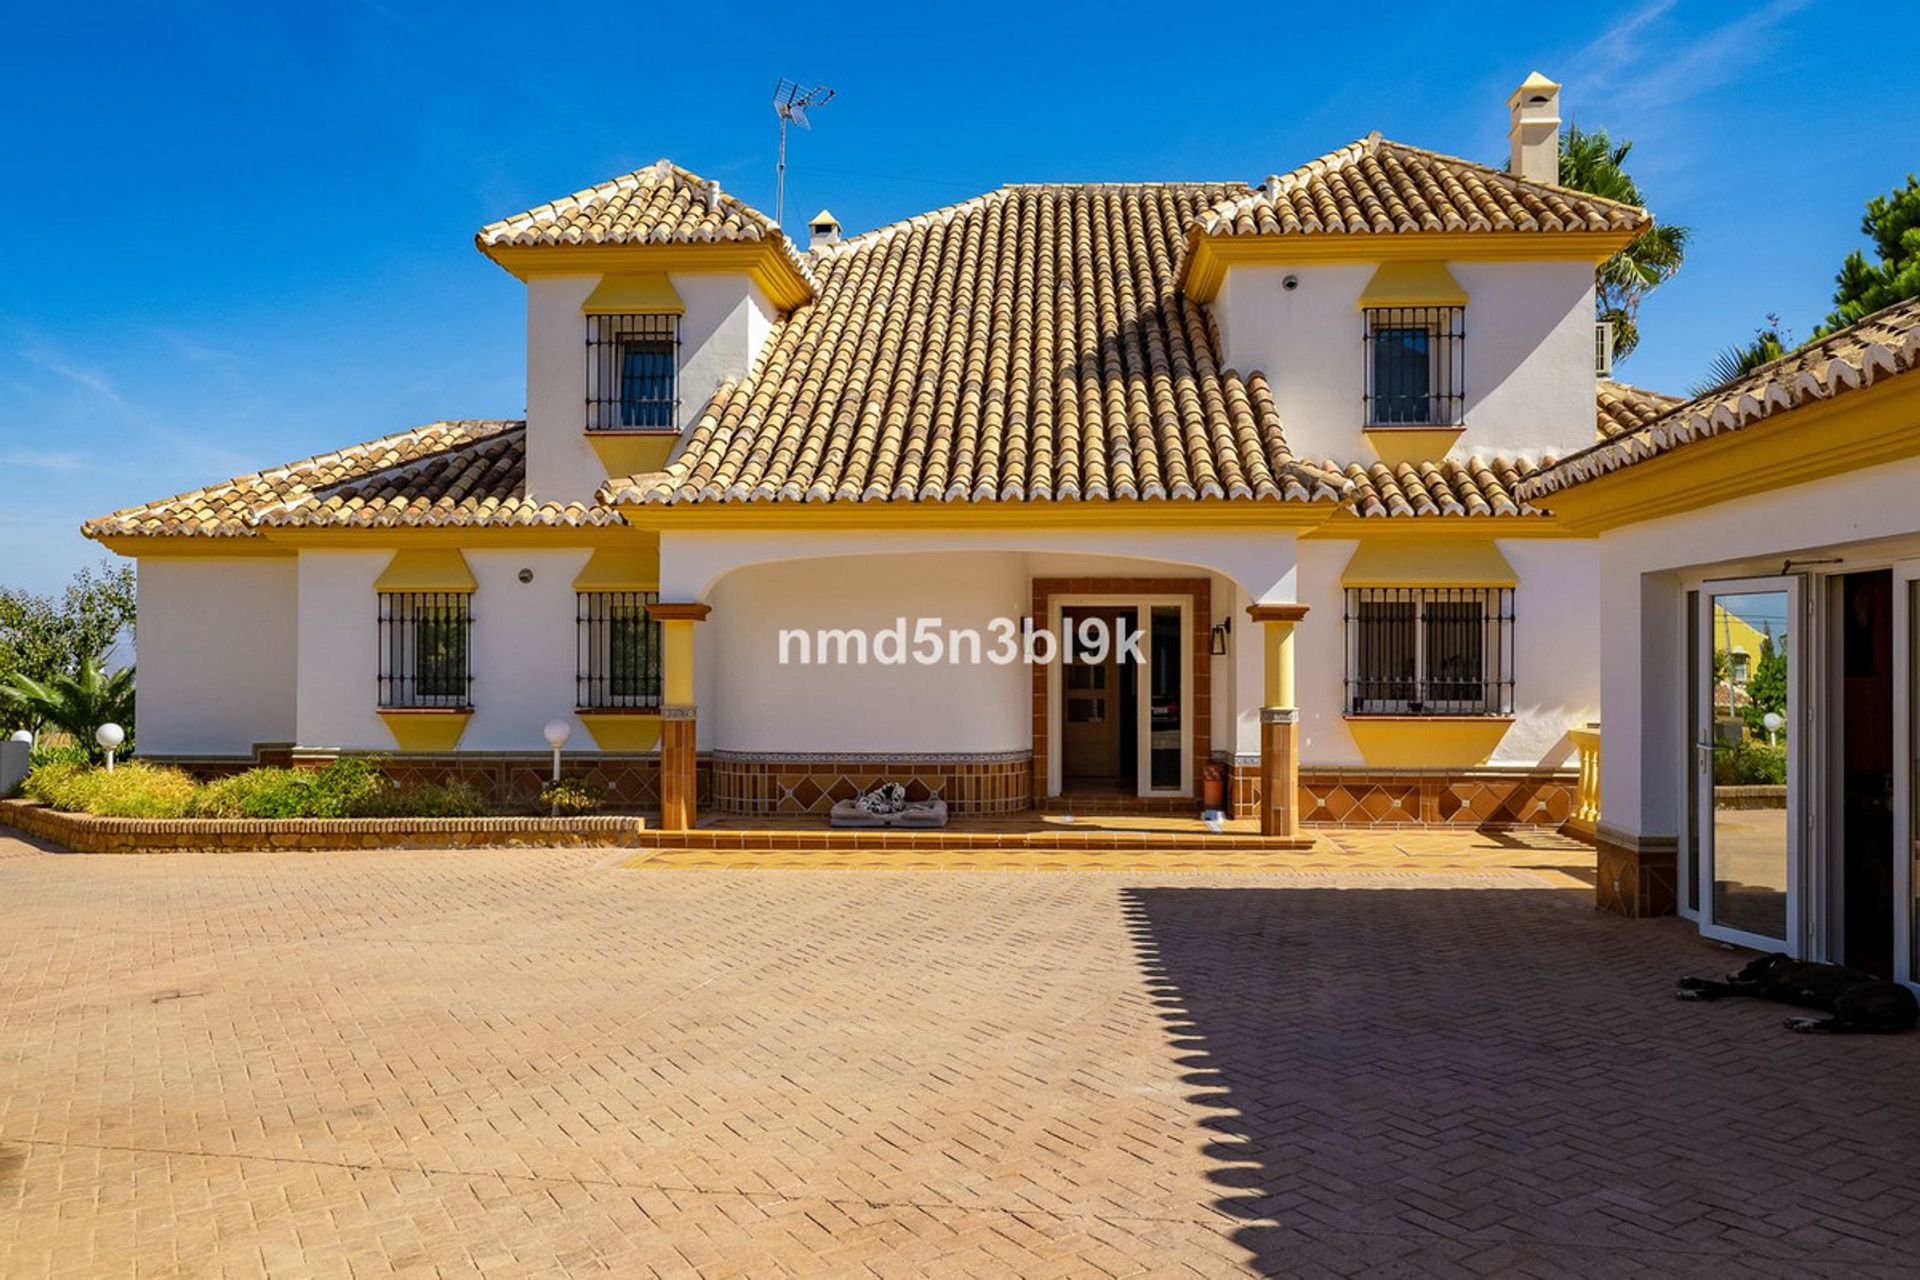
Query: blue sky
point(243, 233)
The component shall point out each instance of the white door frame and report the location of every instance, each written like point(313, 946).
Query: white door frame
point(1795, 587)
point(1143, 606)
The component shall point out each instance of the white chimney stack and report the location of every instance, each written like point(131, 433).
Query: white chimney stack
point(823, 229)
point(1534, 134)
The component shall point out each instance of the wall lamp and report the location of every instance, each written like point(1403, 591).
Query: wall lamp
point(1220, 634)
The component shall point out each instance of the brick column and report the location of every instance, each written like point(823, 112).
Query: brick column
point(678, 720)
point(1279, 722)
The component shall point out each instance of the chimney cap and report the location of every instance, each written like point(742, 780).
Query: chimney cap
point(1534, 87)
point(823, 219)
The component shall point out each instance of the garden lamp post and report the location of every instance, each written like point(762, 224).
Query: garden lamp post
point(109, 736)
point(23, 735)
point(557, 732)
point(1773, 722)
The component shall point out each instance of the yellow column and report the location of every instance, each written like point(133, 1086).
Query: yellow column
point(1279, 722)
point(679, 777)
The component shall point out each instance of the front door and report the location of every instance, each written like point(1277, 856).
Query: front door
point(1750, 721)
point(1099, 701)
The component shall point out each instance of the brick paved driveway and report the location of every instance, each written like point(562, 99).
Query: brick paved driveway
point(531, 1062)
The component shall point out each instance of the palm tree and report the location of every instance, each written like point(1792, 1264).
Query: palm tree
point(1739, 361)
point(76, 703)
point(1592, 162)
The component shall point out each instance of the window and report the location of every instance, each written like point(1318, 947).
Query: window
point(618, 661)
point(633, 365)
point(1741, 665)
point(424, 649)
point(1430, 651)
point(1415, 366)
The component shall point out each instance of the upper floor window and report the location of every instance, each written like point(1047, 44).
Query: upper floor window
point(1430, 651)
point(424, 649)
point(1415, 366)
point(618, 651)
point(633, 372)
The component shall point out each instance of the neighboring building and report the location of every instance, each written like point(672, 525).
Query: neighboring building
point(1278, 428)
point(1782, 502)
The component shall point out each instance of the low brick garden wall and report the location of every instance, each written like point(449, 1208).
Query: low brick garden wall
point(85, 833)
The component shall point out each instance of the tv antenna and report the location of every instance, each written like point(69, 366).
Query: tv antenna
point(791, 102)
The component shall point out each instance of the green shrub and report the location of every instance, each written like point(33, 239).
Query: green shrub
point(132, 790)
point(257, 793)
point(571, 797)
point(423, 800)
point(1750, 763)
point(64, 752)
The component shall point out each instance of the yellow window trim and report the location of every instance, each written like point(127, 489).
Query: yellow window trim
point(1428, 742)
point(1437, 562)
point(623, 731)
point(621, 569)
point(1413, 284)
point(426, 570)
point(649, 293)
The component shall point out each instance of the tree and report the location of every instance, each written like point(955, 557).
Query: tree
point(1892, 223)
point(1594, 163)
point(1767, 686)
point(76, 703)
point(42, 637)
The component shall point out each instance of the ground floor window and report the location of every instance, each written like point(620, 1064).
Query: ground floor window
point(424, 649)
point(617, 651)
point(1429, 650)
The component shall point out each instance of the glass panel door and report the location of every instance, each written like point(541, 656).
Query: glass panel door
point(1750, 723)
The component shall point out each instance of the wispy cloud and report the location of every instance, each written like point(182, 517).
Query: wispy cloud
point(39, 460)
point(1644, 62)
point(91, 379)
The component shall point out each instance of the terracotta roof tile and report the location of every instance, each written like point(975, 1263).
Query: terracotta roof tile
point(1454, 487)
point(1378, 187)
point(660, 204)
point(1882, 345)
point(447, 473)
point(1029, 344)
point(1623, 408)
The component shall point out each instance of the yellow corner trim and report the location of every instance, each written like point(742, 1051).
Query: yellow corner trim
point(426, 729)
point(763, 261)
point(622, 568)
point(426, 570)
point(1427, 742)
point(622, 731)
point(649, 293)
point(1209, 257)
point(1413, 284)
point(628, 453)
point(1434, 562)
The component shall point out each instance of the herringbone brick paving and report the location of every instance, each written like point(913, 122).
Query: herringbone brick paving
point(522, 1063)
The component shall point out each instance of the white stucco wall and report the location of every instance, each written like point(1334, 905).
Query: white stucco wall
point(1864, 520)
point(339, 665)
point(1528, 351)
point(727, 318)
point(216, 654)
point(1556, 652)
point(750, 702)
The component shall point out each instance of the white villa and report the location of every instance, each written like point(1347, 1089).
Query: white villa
point(1342, 446)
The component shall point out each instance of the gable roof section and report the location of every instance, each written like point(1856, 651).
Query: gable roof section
point(444, 474)
point(1885, 344)
point(1029, 344)
point(660, 204)
point(1378, 187)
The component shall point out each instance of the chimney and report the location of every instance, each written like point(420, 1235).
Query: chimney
point(823, 229)
point(1534, 135)
point(713, 194)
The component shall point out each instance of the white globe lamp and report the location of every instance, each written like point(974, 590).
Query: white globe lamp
point(22, 735)
point(557, 732)
point(1774, 722)
point(109, 736)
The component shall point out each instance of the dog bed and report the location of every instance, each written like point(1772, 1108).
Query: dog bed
point(887, 806)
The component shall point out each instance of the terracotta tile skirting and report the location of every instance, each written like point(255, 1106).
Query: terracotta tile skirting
point(1406, 798)
point(773, 784)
